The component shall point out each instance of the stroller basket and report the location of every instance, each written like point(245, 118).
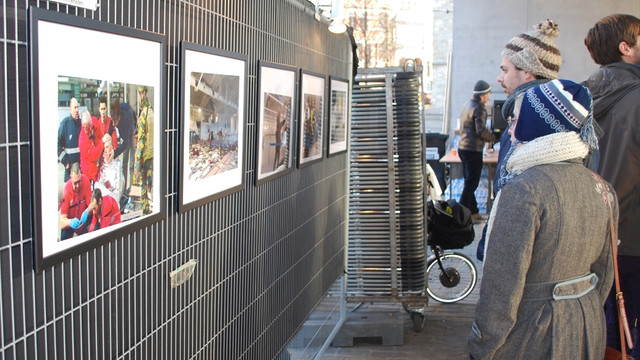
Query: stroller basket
point(450, 225)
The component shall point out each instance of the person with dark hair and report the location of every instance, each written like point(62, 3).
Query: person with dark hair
point(76, 197)
point(68, 135)
point(614, 43)
point(473, 134)
point(528, 59)
point(104, 210)
point(549, 255)
point(106, 125)
point(124, 119)
point(90, 144)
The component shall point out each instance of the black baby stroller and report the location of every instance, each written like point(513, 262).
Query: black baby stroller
point(451, 276)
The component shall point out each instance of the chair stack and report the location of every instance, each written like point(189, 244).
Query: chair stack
point(387, 228)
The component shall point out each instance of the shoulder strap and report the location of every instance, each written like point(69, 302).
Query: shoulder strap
point(622, 314)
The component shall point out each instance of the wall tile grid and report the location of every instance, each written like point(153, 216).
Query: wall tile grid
point(266, 254)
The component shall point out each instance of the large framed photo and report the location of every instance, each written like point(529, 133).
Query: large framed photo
point(97, 133)
point(312, 92)
point(213, 84)
point(276, 121)
point(338, 115)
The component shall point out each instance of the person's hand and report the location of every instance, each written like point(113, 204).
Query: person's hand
point(75, 223)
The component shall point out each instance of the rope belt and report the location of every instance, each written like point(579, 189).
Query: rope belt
point(566, 289)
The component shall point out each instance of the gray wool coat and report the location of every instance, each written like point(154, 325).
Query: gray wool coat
point(551, 224)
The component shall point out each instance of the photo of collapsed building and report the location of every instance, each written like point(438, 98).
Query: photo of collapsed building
point(213, 124)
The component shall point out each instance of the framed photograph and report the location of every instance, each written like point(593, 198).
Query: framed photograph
point(97, 133)
point(213, 87)
point(338, 115)
point(276, 121)
point(312, 92)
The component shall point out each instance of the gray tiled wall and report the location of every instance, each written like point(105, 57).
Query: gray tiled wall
point(266, 254)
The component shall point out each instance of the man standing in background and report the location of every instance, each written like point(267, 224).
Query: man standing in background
point(473, 134)
point(614, 43)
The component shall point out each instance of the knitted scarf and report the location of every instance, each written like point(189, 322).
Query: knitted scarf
point(543, 150)
point(547, 149)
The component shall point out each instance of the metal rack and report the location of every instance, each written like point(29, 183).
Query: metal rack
point(387, 227)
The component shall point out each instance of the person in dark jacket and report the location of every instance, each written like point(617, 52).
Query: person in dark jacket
point(614, 43)
point(473, 134)
point(124, 119)
point(68, 136)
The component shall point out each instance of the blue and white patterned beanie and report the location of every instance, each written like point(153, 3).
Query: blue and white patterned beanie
point(556, 106)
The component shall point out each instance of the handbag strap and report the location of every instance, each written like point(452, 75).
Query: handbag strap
point(622, 316)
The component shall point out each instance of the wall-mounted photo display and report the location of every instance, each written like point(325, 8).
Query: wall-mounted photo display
point(212, 159)
point(312, 92)
point(338, 115)
point(276, 120)
point(97, 133)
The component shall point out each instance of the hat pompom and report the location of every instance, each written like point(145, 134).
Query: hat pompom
point(548, 28)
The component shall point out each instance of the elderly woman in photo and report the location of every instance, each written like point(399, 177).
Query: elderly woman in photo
point(548, 267)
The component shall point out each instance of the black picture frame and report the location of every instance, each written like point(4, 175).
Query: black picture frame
point(276, 124)
point(338, 124)
point(124, 82)
point(311, 127)
point(213, 124)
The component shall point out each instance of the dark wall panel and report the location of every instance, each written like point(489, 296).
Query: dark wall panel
point(266, 254)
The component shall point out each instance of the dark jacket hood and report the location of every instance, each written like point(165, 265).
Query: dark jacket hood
point(608, 85)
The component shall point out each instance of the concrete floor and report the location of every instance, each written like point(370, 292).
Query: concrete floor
point(444, 334)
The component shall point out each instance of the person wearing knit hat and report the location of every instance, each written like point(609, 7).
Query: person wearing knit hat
point(481, 87)
point(528, 59)
point(548, 258)
point(536, 51)
point(473, 135)
point(558, 115)
point(557, 106)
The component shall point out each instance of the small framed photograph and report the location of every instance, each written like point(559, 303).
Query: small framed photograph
point(276, 121)
point(338, 115)
point(213, 88)
point(97, 132)
point(312, 92)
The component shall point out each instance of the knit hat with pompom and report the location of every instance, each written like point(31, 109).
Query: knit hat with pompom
point(536, 51)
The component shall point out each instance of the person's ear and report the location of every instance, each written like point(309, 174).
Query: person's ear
point(529, 76)
point(624, 48)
